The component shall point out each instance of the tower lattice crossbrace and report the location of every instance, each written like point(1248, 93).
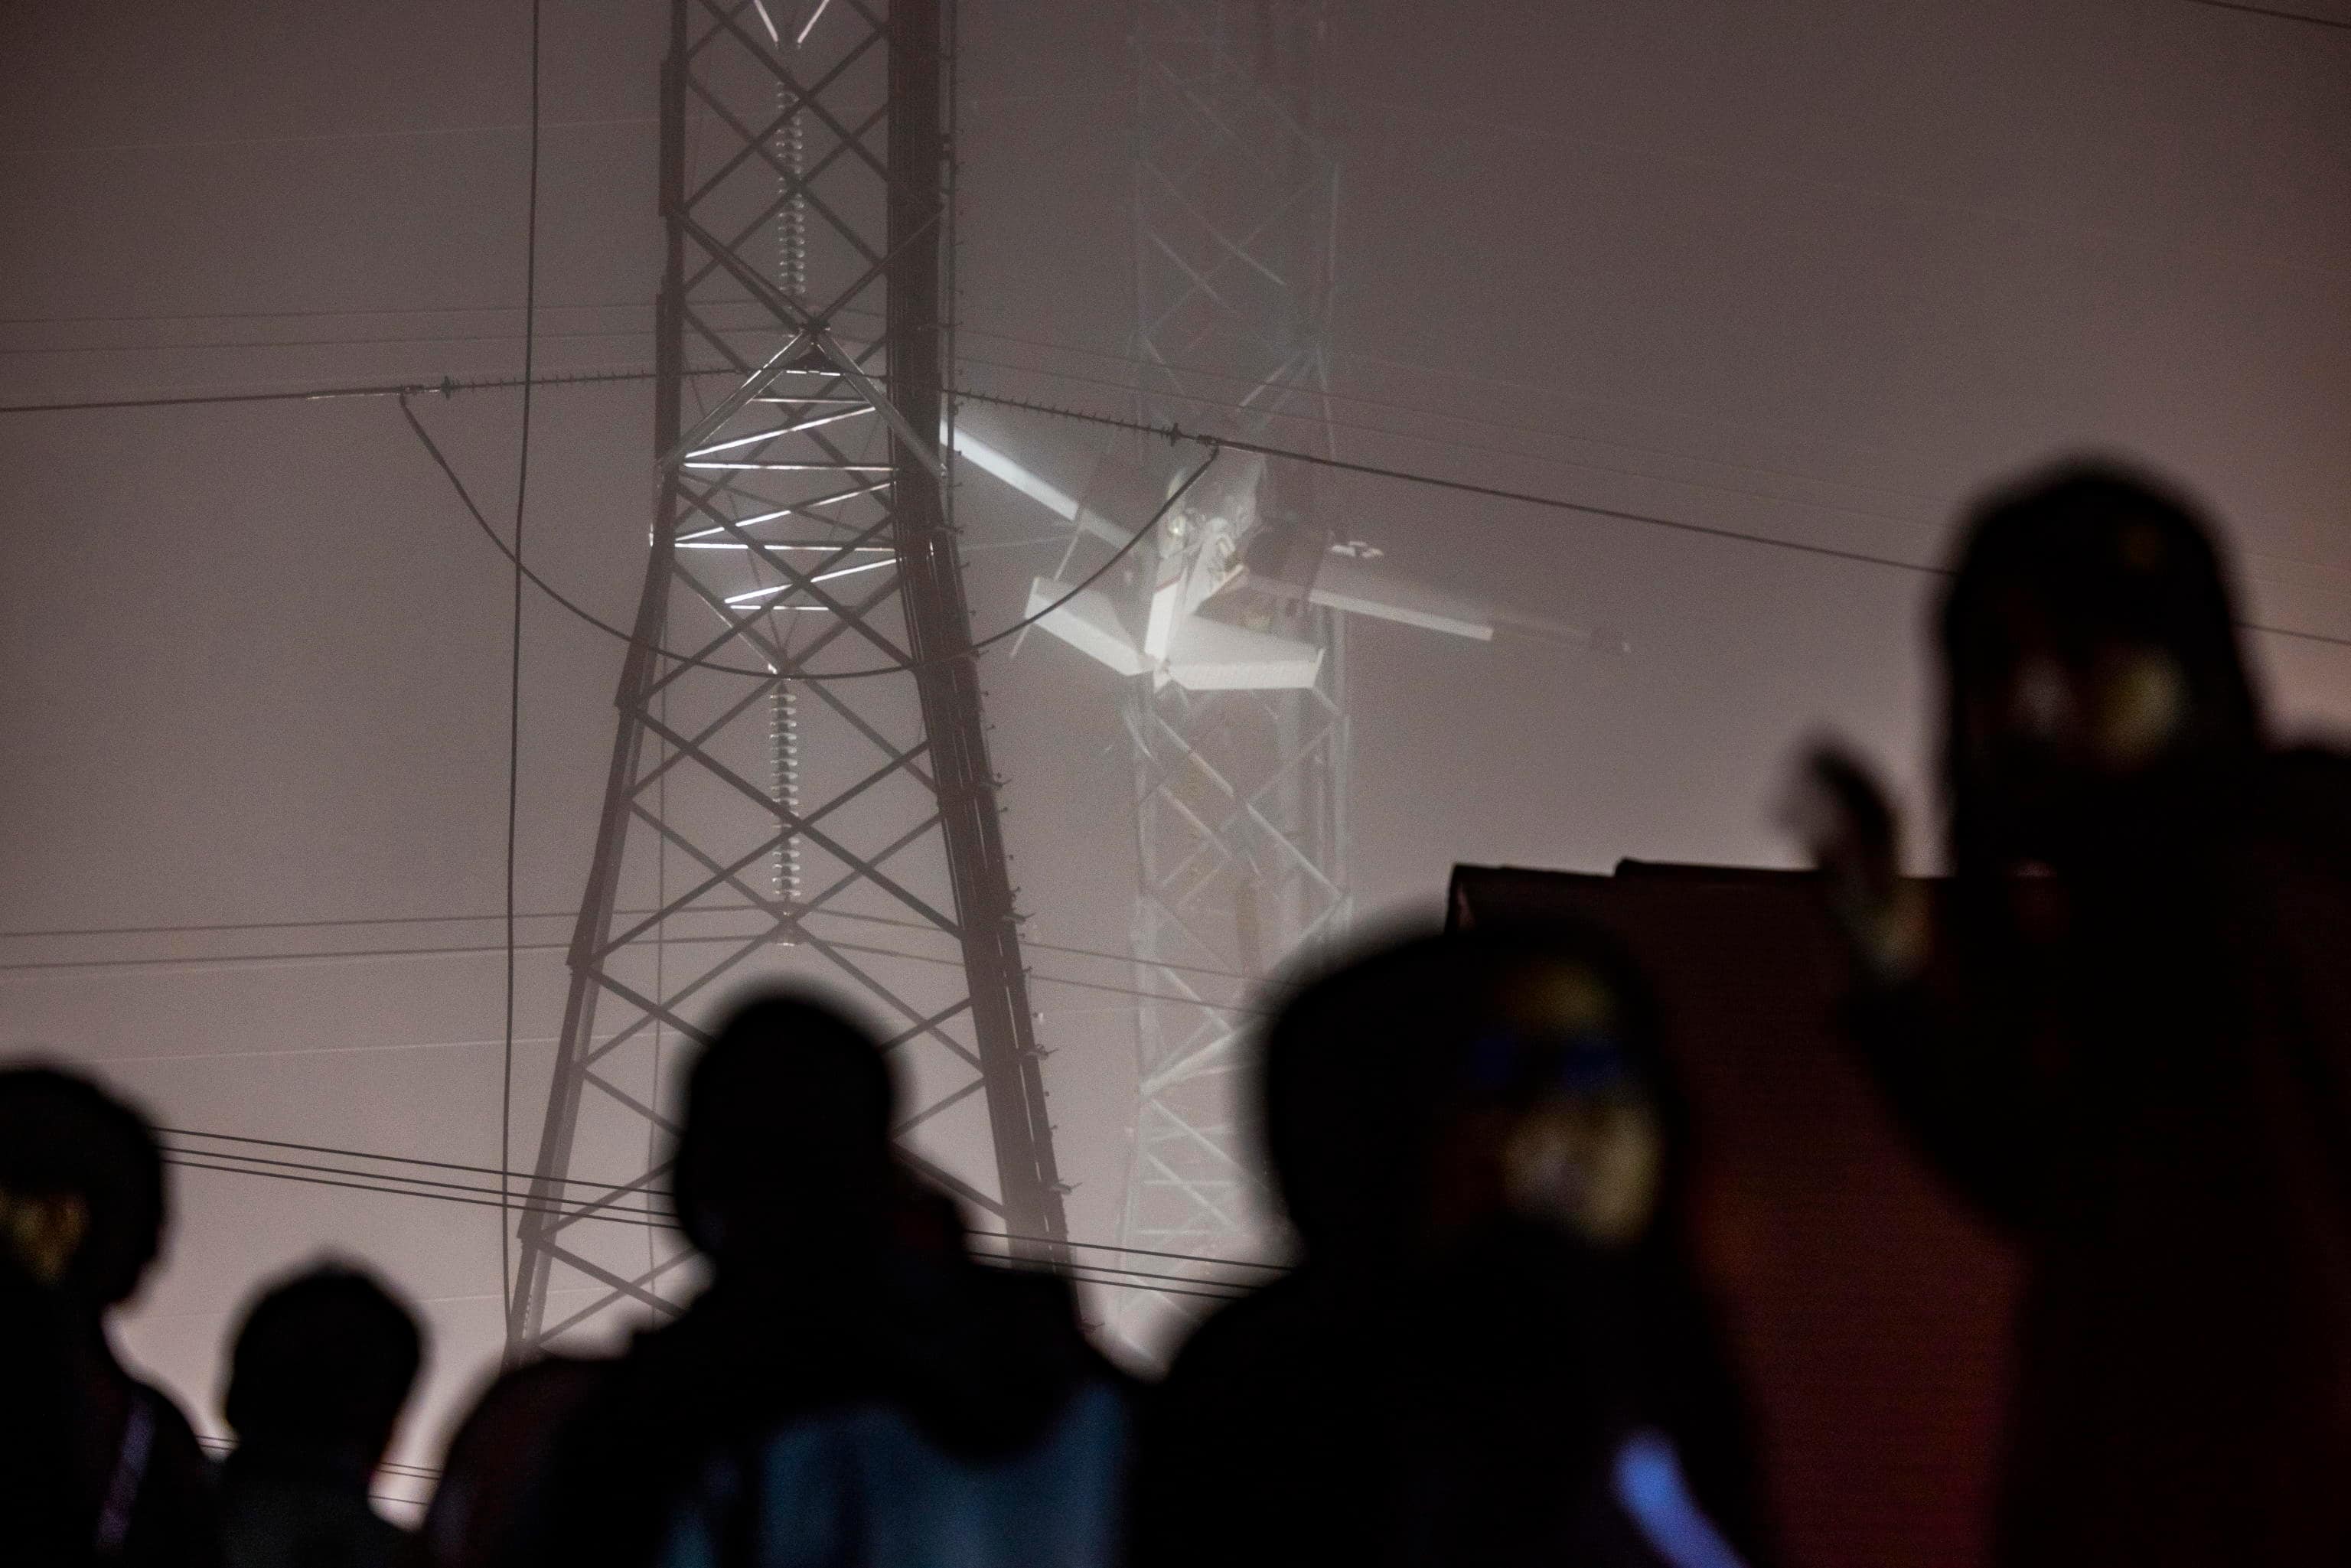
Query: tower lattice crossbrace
point(761, 821)
point(1240, 795)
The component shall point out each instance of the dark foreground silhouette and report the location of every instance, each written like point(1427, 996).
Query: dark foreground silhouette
point(2123, 1031)
point(1494, 1350)
point(2125, 1034)
point(853, 1387)
point(318, 1373)
point(96, 1467)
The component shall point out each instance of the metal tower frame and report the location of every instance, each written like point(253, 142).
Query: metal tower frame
point(802, 544)
point(1241, 797)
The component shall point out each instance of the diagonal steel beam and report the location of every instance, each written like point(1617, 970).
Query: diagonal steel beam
point(914, 826)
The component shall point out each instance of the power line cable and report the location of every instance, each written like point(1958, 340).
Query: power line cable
point(641, 1215)
point(447, 386)
point(514, 669)
point(1387, 432)
point(1485, 449)
point(1465, 486)
point(396, 340)
point(464, 1168)
point(1551, 503)
point(336, 313)
point(461, 1167)
point(1512, 384)
point(391, 134)
point(479, 949)
point(626, 1214)
point(441, 950)
point(2335, 22)
point(347, 1180)
point(1447, 444)
point(424, 133)
point(905, 667)
point(193, 928)
point(1496, 491)
point(204, 400)
point(1120, 384)
point(225, 1446)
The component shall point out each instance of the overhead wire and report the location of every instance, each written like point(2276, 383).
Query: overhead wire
point(446, 386)
point(392, 341)
point(2276, 12)
point(323, 313)
point(388, 135)
point(403, 391)
point(1515, 386)
point(201, 927)
point(1446, 442)
point(1124, 383)
point(1476, 448)
point(1465, 486)
point(1496, 491)
point(398, 133)
point(388, 1184)
point(902, 667)
point(481, 949)
point(221, 1444)
point(1176, 434)
point(1389, 432)
point(224, 1447)
point(1101, 1273)
point(514, 668)
point(463, 1167)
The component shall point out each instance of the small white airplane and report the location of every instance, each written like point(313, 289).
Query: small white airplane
point(1219, 543)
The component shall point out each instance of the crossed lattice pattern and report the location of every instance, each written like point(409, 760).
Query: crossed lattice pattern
point(760, 821)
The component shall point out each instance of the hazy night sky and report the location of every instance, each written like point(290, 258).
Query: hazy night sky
point(1812, 269)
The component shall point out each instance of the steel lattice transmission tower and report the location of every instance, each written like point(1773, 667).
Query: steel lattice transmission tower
point(1240, 795)
point(760, 819)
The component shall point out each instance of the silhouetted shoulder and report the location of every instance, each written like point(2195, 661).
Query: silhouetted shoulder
point(1265, 1435)
point(1293, 1313)
point(2308, 792)
point(1284, 1362)
point(173, 1523)
point(985, 1360)
point(489, 1508)
point(35, 1469)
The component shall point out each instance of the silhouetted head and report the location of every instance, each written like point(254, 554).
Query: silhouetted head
point(786, 1142)
point(2088, 641)
point(81, 1186)
point(321, 1366)
point(1448, 1083)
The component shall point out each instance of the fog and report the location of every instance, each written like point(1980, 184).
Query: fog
point(1814, 271)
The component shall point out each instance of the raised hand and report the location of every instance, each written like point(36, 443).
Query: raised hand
point(1836, 807)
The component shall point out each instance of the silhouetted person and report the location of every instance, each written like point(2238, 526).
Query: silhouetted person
point(1493, 1350)
point(2125, 1033)
point(852, 1388)
point(319, 1373)
point(37, 1512)
point(490, 1501)
point(102, 1467)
